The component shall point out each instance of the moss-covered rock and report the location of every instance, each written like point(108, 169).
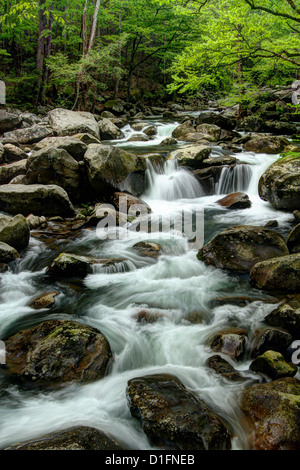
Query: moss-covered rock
point(286, 316)
point(56, 352)
point(264, 339)
point(279, 274)
point(293, 241)
point(69, 265)
point(239, 248)
point(272, 410)
point(15, 232)
point(7, 253)
point(273, 364)
point(280, 184)
point(173, 417)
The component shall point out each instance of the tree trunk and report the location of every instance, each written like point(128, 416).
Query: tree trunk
point(41, 48)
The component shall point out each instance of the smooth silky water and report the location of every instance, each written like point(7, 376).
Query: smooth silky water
point(176, 287)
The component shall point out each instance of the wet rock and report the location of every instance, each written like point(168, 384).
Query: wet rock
point(76, 438)
point(274, 365)
point(150, 249)
point(191, 156)
point(279, 185)
point(87, 138)
point(29, 135)
point(54, 166)
point(114, 106)
point(239, 248)
point(168, 141)
point(8, 121)
point(147, 316)
point(138, 138)
point(56, 352)
point(210, 117)
point(15, 232)
point(124, 201)
point(20, 179)
point(272, 224)
point(182, 130)
point(266, 144)
point(173, 417)
point(2, 150)
point(66, 122)
point(209, 132)
point(13, 153)
point(150, 131)
point(45, 300)
point(286, 316)
point(7, 253)
point(234, 201)
point(73, 145)
point(47, 200)
point(251, 124)
point(280, 127)
point(265, 339)
point(112, 169)
point(223, 368)
point(296, 214)
point(10, 171)
point(279, 274)
point(293, 241)
point(109, 131)
point(36, 221)
point(272, 410)
point(76, 266)
point(231, 341)
point(104, 211)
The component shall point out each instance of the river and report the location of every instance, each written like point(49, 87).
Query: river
point(175, 286)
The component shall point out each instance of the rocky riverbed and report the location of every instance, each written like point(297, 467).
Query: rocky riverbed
point(142, 340)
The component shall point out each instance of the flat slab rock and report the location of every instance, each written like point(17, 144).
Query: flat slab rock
point(173, 417)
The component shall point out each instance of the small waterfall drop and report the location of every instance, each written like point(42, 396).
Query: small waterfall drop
point(171, 182)
point(234, 179)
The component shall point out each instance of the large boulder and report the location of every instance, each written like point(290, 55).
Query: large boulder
point(54, 166)
point(29, 135)
point(280, 274)
point(7, 252)
point(109, 131)
point(8, 120)
point(280, 184)
point(274, 365)
point(173, 417)
point(192, 156)
point(236, 201)
point(10, 171)
point(66, 122)
point(56, 352)
point(286, 316)
point(183, 130)
point(72, 144)
point(211, 117)
point(15, 232)
point(112, 169)
point(239, 248)
point(266, 144)
point(272, 410)
point(293, 241)
point(13, 153)
point(37, 199)
point(76, 438)
point(69, 265)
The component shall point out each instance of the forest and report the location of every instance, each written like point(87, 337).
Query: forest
point(79, 54)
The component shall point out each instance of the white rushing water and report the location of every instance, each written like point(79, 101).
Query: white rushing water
point(175, 287)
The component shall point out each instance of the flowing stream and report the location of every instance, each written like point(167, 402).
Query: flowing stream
point(175, 287)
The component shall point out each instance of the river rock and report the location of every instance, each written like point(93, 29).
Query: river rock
point(150, 249)
point(112, 169)
point(39, 199)
point(54, 166)
point(69, 265)
point(66, 122)
point(7, 252)
point(150, 131)
point(115, 106)
point(183, 129)
point(239, 248)
point(124, 201)
point(76, 438)
point(87, 138)
point(266, 144)
point(209, 132)
point(56, 352)
point(74, 146)
point(138, 138)
point(231, 341)
point(8, 120)
point(173, 417)
point(280, 127)
point(272, 410)
point(109, 131)
point(15, 232)
point(2, 151)
point(222, 367)
point(286, 316)
point(279, 185)
point(217, 119)
point(13, 153)
point(274, 365)
point(45, 300)
point(29, 135)
point(279, 274)
point(234, 201)
point(191, 156)
point(293, 241)
point(251, 124)
point(265, 339)
point(168, 141)
point(10, 171)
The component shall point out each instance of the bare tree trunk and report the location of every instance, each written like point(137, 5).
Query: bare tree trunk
point(41, 48)
point(120, 58)
point(84, 33)
point(94, 26)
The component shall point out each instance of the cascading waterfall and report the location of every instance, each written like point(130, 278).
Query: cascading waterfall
point(234, 179)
